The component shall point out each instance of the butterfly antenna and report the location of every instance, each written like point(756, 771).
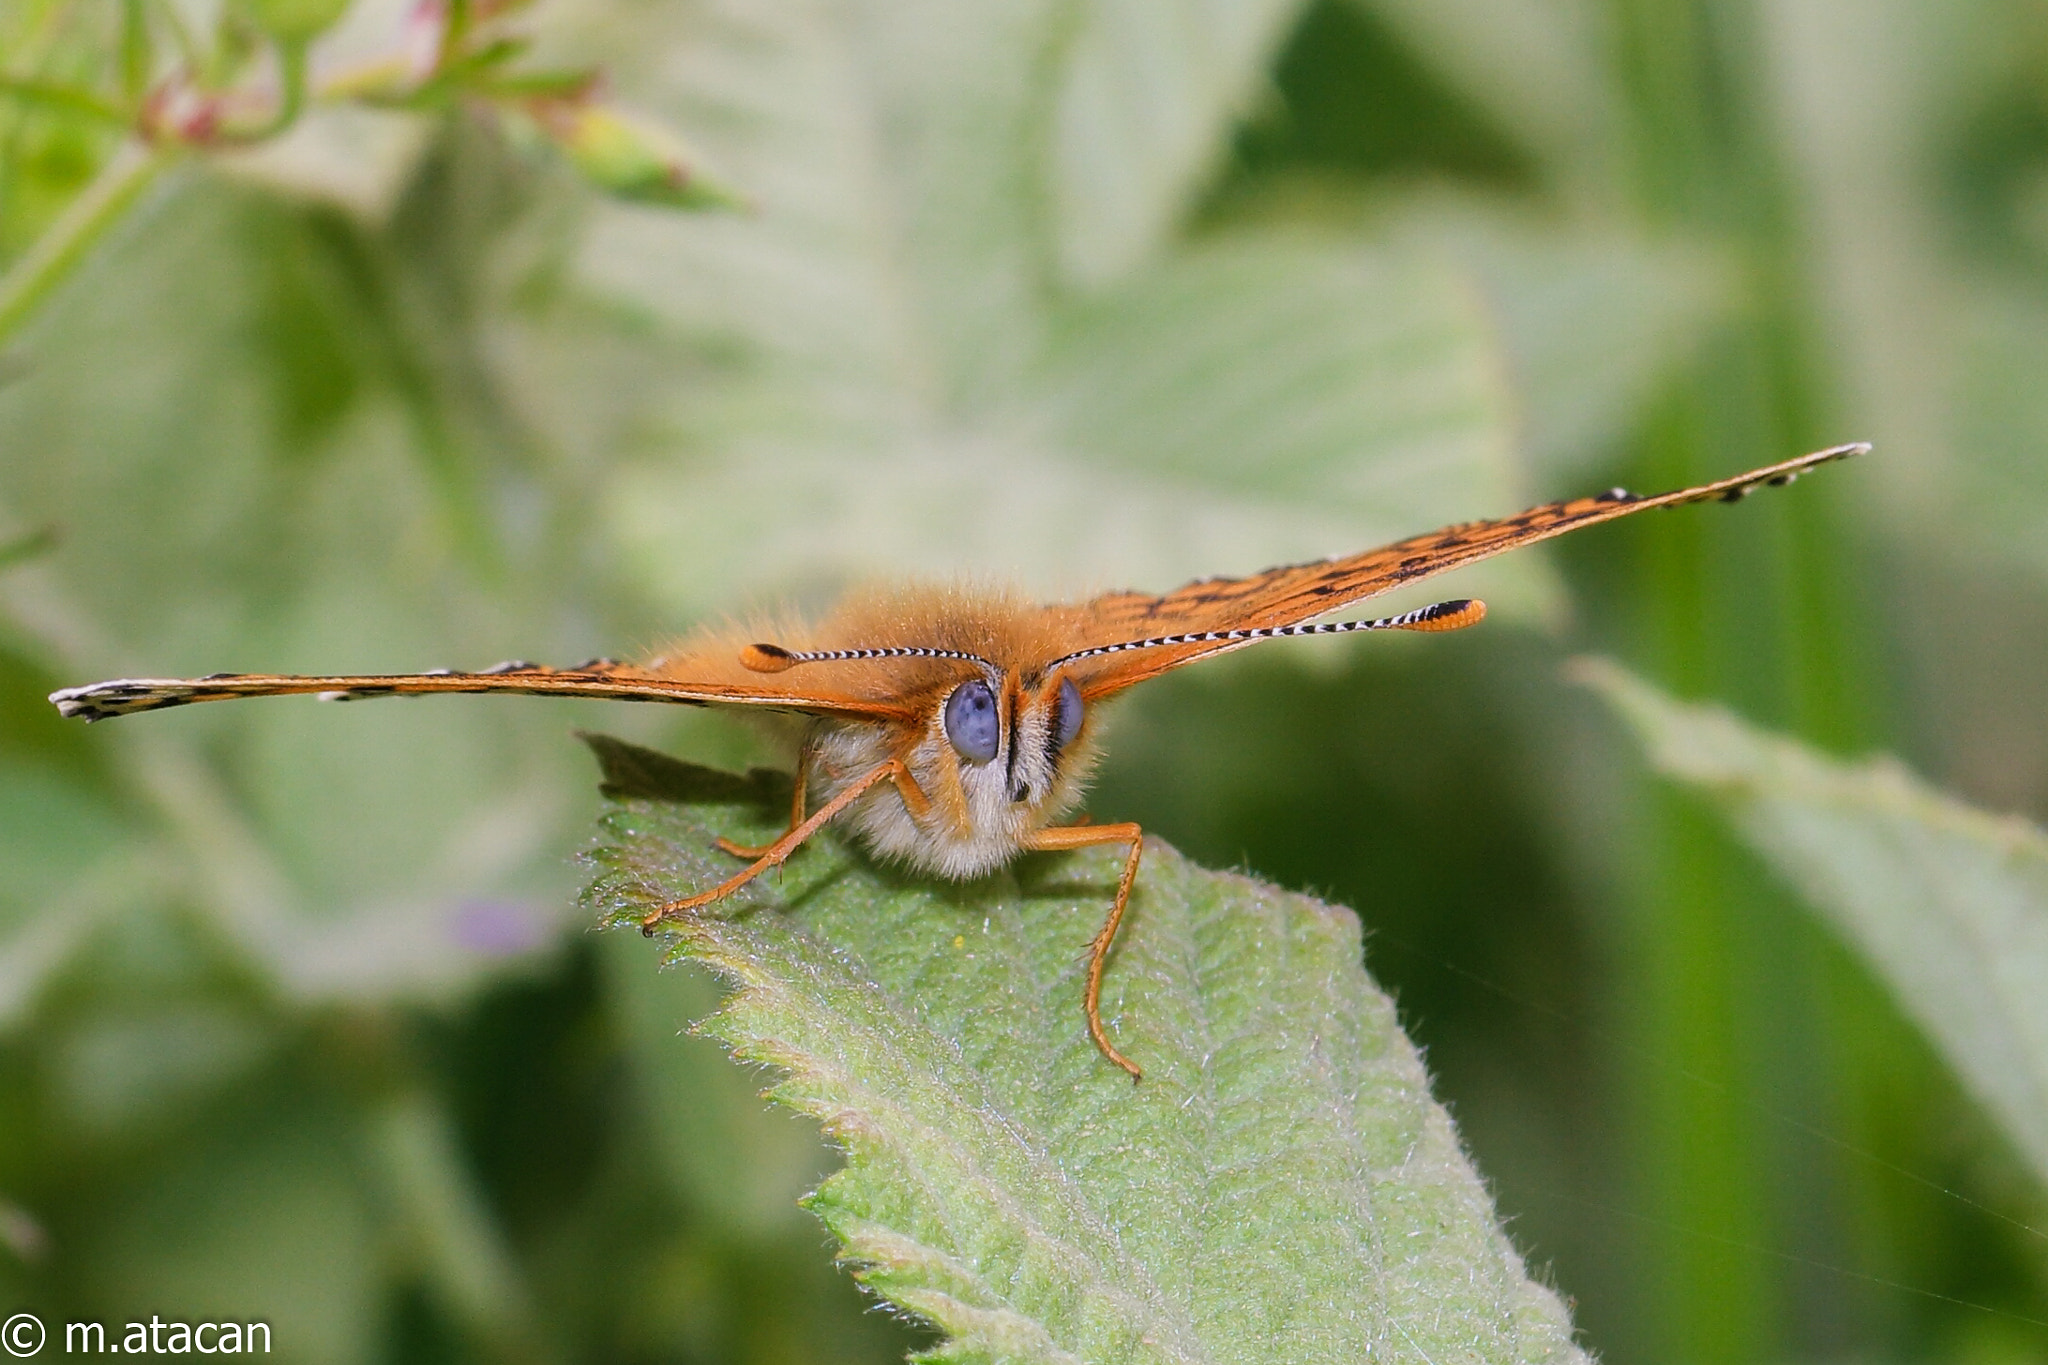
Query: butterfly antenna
point(1452, 615)
point(765, 658)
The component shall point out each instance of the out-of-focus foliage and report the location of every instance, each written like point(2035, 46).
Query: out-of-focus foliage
point(299, 1019)
point(282, 90)
point(1280, 1184)
point(1950, 905)
point(914, 382)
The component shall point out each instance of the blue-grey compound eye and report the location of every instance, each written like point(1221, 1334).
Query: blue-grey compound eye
point(972, 722)
point(1066, 715)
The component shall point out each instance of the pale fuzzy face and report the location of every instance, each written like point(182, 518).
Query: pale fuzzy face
point(980, 812)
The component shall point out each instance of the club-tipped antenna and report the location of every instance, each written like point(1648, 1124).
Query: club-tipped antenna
point(1452, 615)
point(767, 658)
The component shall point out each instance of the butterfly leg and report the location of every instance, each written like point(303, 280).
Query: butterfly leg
point(1088, 836)
point(796, 816)
point(892, 771)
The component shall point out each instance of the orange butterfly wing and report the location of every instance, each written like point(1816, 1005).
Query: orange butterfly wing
point(601, 679)
point(1299, 593)
point(1286, 596)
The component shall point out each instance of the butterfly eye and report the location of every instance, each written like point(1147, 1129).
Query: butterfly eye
point(972, 723)
point(1066, 715)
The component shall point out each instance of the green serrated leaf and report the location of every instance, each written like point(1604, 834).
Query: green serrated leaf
point(1948, 903)
point(1280, 1187)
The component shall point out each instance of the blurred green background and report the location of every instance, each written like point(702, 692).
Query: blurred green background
point(297, 1018)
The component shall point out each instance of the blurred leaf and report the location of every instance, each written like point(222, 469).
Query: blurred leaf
point(1148, 98)
point(120, 1070)
point(68, 865)
point(450, 1232)
point(1280, 1185)
point(897, 381)
point(296, 21)
point(272, 509)
point(27, 546)
point(1913, 135)
point(148, 1024)
point(728, 1153)
point(263, 1218)
point(57, 96)
point(1583, 318)
point(1290, 369)
point(119, 182)
point(57, 126)
point(1593, 317)
point(1266, 399)
point(1538, 67)
point(51, 834)
point(892, 271)
point(355, 158)
point(1995, 500)
point(1949, 904)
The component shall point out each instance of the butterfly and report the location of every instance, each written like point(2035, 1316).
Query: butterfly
point(953, 728)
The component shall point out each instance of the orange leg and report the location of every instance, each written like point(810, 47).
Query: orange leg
point(892, 771)
point(796, 817)
point(1087, 836)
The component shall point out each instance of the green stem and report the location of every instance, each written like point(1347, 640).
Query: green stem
point(83, 222)
point(447, 1223)
point(136, 51)
point(291, 61)
point(189, 53)
point(27, 546)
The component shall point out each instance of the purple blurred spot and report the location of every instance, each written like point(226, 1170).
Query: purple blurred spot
point(22, 1234)
point(499, 928)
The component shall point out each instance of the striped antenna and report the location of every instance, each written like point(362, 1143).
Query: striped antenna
point(765, 658)
point(1453, 615)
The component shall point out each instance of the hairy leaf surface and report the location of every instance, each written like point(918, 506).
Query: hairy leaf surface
point(1280, 1187)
